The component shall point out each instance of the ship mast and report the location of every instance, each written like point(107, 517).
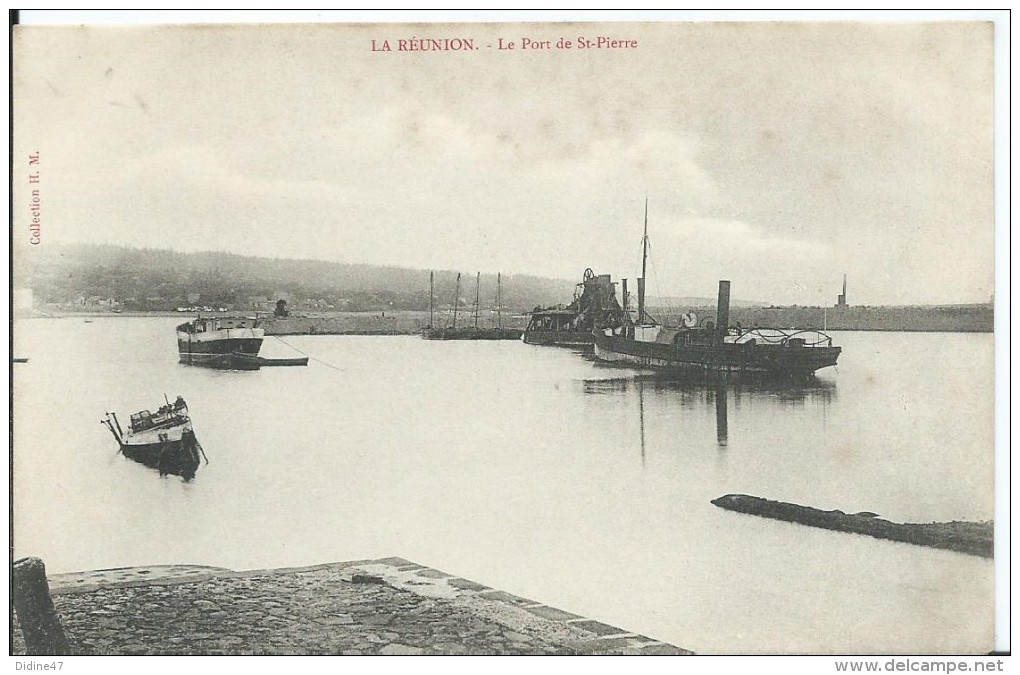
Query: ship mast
point(478, 283)
point(644, 269)
point(499, 300)
point(456, 301)
point(644, 243)
point(432, 301)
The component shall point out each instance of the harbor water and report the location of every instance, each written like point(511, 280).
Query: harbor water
point(536, 471)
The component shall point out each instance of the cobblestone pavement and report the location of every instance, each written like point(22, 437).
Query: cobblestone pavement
point(384, 607)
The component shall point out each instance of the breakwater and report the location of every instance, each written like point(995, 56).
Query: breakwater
point(962, 537)
point(368, 323)
point(924, 318)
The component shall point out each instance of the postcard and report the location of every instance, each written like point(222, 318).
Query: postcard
point(590, 337)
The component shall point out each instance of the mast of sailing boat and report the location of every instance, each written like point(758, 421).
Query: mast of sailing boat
point(456, 301)
point(432, 301)
point(478, 283)
point(499, 301)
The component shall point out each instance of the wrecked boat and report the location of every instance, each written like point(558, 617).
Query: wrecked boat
point(164, 440)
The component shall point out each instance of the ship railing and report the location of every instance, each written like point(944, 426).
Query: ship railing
point(779, 336)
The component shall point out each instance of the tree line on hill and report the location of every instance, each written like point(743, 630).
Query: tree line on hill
point(158, 279)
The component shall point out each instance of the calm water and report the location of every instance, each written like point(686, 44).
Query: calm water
point(535, 471)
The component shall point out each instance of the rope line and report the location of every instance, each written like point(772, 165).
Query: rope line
point(671, 312)
point(313, 358)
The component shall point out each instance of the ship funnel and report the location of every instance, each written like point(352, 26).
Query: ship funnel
point(722, 311)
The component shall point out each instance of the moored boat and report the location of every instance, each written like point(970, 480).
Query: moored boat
point(471, 332)
point(594, 305)
point(770, 352)
point(712, 345)
point(221, 342)
point(164, 440)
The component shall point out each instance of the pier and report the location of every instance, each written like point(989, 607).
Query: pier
point(388, 606)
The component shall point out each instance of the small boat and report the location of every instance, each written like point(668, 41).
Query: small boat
point(296, 361)
point(711, 345)
point(164, 440)
point(239, 361)
point(594, 305)
point(221, 342)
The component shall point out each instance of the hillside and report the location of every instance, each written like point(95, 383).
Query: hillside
point(95, 276)
point(86, 277)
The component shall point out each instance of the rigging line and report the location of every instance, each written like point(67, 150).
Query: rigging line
point(670, 310)
point(648, 246)
point(644, 249)
point(450, 310)
point(313, 358)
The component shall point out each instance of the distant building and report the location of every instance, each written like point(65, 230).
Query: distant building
point(841, 298)
point(260, 303)
point(98, 301)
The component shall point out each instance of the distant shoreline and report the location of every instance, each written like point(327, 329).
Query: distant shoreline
point(920, 319)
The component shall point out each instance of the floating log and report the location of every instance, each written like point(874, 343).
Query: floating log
point(962, 537)
point(44, 636)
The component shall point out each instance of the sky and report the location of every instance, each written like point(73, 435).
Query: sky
point(778, 155)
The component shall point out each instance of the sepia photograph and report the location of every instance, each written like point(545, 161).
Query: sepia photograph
point(492, 335)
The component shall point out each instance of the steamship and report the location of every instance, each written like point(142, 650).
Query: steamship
point(221, 342)
point(710, 345)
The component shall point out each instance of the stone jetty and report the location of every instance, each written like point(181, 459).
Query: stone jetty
point(962, 537)
point(389, 606)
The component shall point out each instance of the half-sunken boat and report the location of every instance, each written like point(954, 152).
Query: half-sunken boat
point(164, 440)
point(469, 332)
point(711, 345)
point(221, 342)
point(594, 305)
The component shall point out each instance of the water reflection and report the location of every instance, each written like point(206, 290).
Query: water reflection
point(641, 407)
point(721, 421)
point(714, 392)
point(691, 390)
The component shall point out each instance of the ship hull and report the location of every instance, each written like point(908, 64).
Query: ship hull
point(562, 338)
point(177, 454)
point(221, 352)
point(471, 334)
point(770, 360)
